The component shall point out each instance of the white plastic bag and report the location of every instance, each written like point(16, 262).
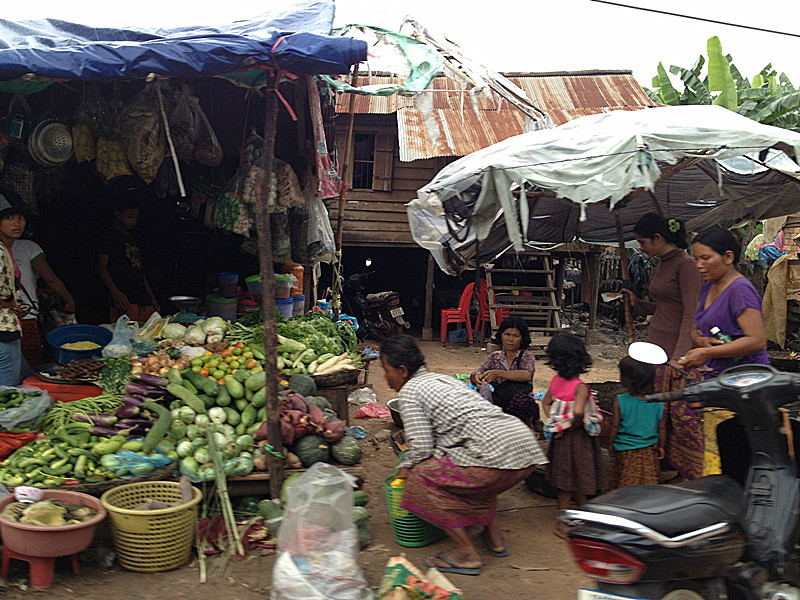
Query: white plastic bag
point(30, 413)
point(362, 396)
point(318, 541)
point(321, 244)
point(122, 342)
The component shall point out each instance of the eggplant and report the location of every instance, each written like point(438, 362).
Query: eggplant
point(127, 411)
point(103, 420)
point(138, 432)
point(153, 380)
point(140, 389)
point(103, 431)
point(131, 400)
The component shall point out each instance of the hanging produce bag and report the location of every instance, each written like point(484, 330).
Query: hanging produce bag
point(121, 343)
point(182, 124)
point(288, 191)
point(142, 133)
point(321, 244)
point(207, 149)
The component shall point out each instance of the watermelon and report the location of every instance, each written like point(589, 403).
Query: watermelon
point(360, 498)
point(303, 384)
point(346, 451)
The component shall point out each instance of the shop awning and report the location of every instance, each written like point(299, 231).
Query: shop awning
point(293, 37)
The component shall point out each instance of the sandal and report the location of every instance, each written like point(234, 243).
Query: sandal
point(453, 568)
point(498, 553)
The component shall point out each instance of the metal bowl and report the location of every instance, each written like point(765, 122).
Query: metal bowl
point(187, 304)
point(392, 404)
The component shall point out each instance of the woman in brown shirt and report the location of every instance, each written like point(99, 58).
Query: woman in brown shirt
point(674, 291)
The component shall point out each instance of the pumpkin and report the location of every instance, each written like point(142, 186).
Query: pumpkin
point(311, 449)
point(346, 451)
point(303, 384)
point(319, 402)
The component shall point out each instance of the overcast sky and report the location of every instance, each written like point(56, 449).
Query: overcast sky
point(515, 35)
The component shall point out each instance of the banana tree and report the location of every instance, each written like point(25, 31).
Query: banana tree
point(771, 97)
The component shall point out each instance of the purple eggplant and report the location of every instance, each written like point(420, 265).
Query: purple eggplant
point(103, 420)
point(127, 411)
point(131, 400)
point(153, 380)
point(138, 432)
point(103, 431)
point(140, 389)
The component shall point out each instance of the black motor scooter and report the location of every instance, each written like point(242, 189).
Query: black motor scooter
point(379, 314)
point(705, 538)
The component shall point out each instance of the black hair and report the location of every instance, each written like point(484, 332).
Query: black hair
point(568, 356)
point(520, 325)
point(402, 351)
point(637, 377)
point(720, 241)
point(651, 224)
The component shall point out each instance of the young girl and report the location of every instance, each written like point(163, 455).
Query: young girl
point(638, 428)
point(575, 466)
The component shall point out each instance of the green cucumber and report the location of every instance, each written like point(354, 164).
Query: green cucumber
point(223, 397)
point(174, 376)
point(197, 380)
point(159, 430)
point(191, 400)
point(235, 388)
point(259, 398)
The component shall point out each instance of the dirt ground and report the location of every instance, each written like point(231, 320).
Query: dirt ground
point(540, 564)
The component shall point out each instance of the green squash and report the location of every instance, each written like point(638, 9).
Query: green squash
point(320, 402)
point(346, 451)
point(285, 486)
point(360, 498)
point(303, 385)
point(310, 449)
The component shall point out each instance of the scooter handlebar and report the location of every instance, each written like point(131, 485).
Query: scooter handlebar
point(665, 396)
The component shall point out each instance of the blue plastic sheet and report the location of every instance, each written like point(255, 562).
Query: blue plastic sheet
point(294, 37)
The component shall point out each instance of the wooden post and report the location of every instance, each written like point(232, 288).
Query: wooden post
point(268, 292)
point(623, 263)
point(591, 334)
point(336, 284)
point(427, 329)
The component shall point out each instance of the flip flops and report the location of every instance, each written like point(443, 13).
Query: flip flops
point(453, 568)
point(498, 553)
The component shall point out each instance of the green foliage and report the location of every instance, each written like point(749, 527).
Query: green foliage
point(771, 97)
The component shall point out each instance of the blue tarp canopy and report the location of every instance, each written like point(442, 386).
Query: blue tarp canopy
point(293, 37)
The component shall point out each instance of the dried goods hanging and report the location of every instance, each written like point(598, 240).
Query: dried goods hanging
point(181, 124)
point(142, 134)
point(207, 149)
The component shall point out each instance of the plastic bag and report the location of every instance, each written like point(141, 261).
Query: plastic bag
point(121, 343)
point(318, 541)
point(182, 125)
point(373, 410)
point(142, 133)
point(281, 237)
point(126, 464)
point(152, 328)
point(207, 149)
point(361, 396)
point(30, 413)
point(321, 244)
point(288, 191)
point(83, 138)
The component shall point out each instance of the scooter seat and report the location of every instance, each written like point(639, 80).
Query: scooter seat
point(675, 509)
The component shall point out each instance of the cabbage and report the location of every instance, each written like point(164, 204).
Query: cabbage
point(215, 326)
point(202, 421)
point(186, 414)
point(202, 456)
point(215, 338)
point(195, 335)
point(174, 331)
point(185, 449)
point(217, 415)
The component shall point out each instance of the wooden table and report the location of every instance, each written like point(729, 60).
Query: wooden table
point(337, 396)
point(257, 483)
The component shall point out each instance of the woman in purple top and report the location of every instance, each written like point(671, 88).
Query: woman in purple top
point(731, 303)
point(727, 301)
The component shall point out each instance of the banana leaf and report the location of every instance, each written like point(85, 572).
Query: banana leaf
point(665, 91)
point(698, 92)
point(719, 76)
point(772, 108)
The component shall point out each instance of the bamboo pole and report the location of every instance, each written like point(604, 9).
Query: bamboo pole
point(336, 283)
point(268, 292)
point(623, 262)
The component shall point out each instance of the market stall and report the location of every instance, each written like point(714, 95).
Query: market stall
point(218, 132)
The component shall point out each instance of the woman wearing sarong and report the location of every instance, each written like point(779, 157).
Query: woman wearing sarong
point(674, 290)
point(728, 301)
point(464, 453)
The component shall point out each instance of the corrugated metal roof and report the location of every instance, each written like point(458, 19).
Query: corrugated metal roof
point(462, 130)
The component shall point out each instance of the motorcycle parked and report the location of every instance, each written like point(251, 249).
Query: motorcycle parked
point(379, 314)
point(705, 538)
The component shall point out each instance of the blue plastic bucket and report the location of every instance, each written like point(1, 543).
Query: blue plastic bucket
point(77, 333)
point(285, 306)
point(228, 284)
point(298, 304)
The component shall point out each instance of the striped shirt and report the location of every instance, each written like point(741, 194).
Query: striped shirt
point(442, 416)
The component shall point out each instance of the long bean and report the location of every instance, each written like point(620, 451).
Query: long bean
point(61, 414)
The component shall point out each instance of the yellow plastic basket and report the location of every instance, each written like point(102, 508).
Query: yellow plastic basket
point(153, 540)
point(409, 530)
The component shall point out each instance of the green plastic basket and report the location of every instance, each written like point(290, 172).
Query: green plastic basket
point(409, 530)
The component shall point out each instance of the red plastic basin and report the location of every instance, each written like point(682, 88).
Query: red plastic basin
point(34, 540)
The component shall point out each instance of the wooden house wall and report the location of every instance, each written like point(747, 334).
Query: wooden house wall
point(377, 216)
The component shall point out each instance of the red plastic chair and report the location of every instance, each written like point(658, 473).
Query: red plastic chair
point(483, 313)
point(458, 315)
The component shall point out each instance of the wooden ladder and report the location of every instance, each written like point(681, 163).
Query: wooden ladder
point(538, 307)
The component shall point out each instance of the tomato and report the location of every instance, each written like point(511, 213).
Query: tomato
point(234, 365)
point(247, 354)
point(227, 352)
point(204, 372)
point(220, 375)
point(220, 381)
point(236, 351)
point(196, 369)
point(208, 353)
point(251, 363)
point(70, 481)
